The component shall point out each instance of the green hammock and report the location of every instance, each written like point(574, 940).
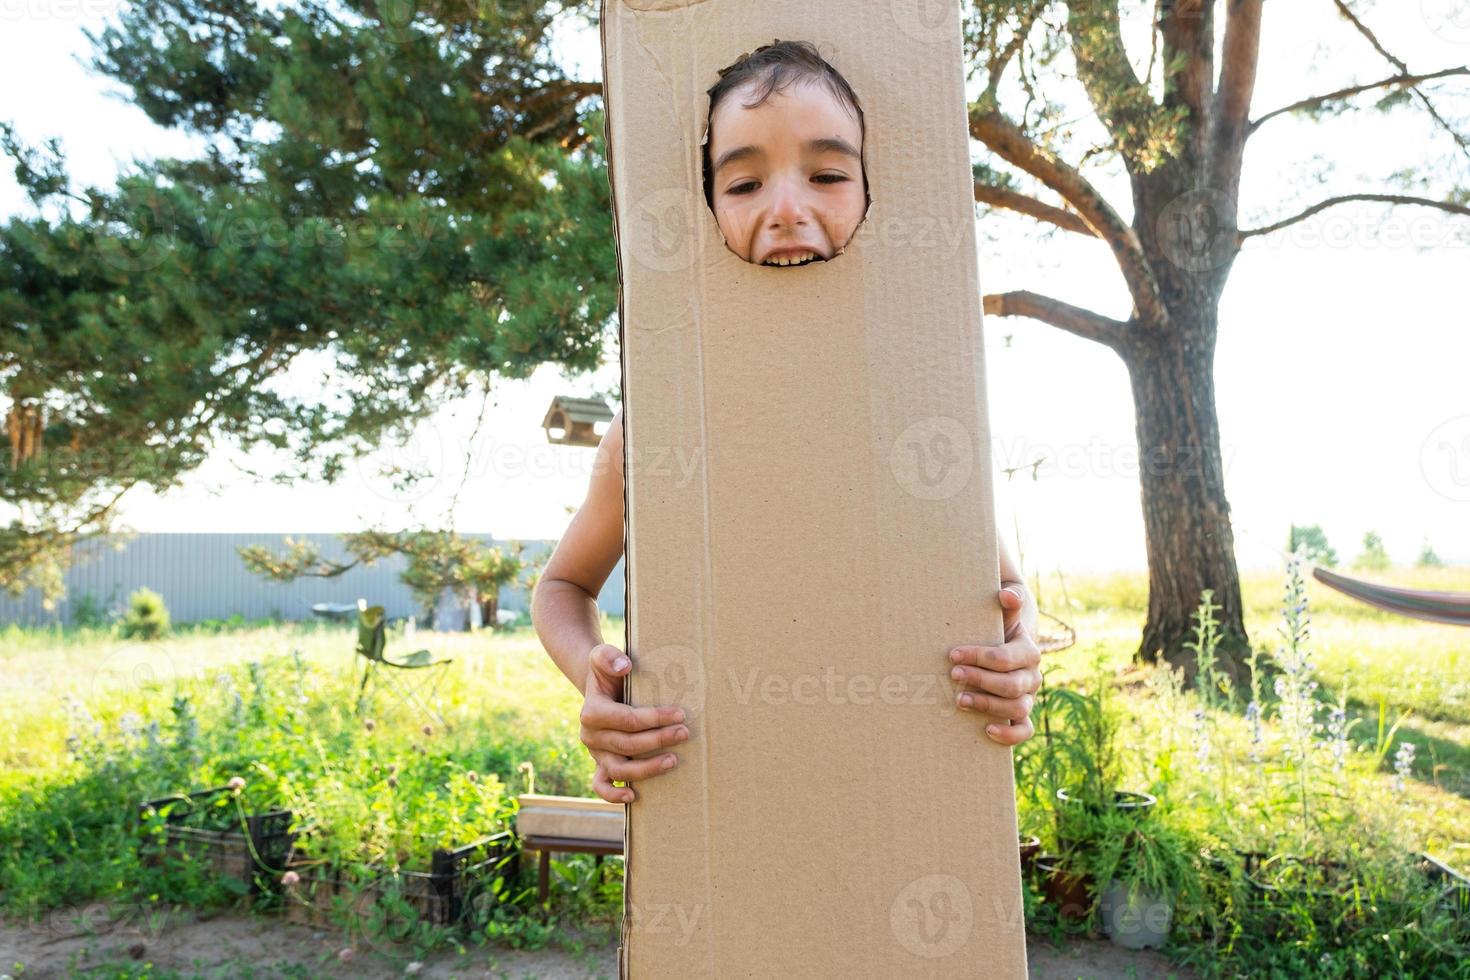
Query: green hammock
point(1439, 607)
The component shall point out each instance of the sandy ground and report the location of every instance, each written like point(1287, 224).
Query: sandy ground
point(65, 942)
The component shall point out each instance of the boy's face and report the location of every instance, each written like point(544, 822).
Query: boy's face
point(787, 177)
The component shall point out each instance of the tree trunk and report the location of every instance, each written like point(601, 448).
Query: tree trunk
point(1191, 546)
point(490, 609)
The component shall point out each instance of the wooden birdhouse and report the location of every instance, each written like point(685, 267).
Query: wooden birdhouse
point(572, 421)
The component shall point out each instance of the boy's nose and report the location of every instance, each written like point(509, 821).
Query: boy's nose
point(787, 209)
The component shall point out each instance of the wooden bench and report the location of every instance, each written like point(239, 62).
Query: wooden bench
point(567, 824)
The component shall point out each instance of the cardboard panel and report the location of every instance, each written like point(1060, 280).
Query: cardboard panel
point(810, 527)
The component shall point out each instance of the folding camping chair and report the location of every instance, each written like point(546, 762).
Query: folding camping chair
point(371, 639)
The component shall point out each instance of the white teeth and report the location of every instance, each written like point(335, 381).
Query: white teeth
point(792, 259)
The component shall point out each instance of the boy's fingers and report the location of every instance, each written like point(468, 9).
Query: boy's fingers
point(636, 743)
point(609, 659)
point(1013, 734)
point(1006, 683)
point(1012, 655)
point(604, 788)
point(1011, 709)
point(603, 712)
point(631, 770)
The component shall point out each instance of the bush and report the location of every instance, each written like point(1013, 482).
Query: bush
point(147, 617)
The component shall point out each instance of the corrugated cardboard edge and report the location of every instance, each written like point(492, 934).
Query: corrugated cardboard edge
point(623, 421)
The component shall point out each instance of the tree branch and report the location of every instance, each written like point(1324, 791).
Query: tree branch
point(1002, 197)
point(1351, 90)
point(1121, 101)
point(1073, 319)
point(1187, 28)
point(1007, 140)
point(1449, 206)
point(1403, 67)
point(1232, 103)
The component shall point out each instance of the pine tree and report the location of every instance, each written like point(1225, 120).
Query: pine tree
point(417, 192)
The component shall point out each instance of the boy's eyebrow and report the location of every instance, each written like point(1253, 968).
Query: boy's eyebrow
point(824, 145)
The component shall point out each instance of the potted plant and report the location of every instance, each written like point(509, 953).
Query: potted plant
point(1145, 870)
point(1082, 761)
point(1074, 769)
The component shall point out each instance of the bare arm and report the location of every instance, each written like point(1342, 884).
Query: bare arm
point(1010, 576)
point(626, 742)
point(564, 605)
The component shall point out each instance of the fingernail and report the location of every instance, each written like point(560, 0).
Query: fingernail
point(955, 655)
point(966, 700)
point(679, 715)
point(668, 762)
point(957, 674)
point(992, 729)
point(620, 663)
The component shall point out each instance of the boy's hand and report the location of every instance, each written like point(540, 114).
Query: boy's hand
point(616, 733)
point(1001, 681)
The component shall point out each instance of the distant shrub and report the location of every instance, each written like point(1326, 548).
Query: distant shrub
point(1428, 558)
point(1312, 540)
point(147, 616)
point(1374, 557)
point(88, 612)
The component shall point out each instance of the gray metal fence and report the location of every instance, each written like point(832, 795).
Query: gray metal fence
point(201, 576)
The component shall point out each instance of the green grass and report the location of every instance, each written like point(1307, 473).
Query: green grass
point(272, 705)
point(293, 737)
point(1419, 670)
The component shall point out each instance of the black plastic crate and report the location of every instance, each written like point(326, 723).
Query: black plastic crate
point(458, 890)
point(255, 856)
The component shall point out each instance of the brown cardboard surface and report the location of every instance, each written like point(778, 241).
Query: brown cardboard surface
point(810, 527)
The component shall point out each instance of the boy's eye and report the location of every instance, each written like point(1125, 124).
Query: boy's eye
point(751, 185)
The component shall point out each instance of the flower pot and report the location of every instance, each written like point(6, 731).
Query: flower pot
point(1126, 801)
point(1455, 894)
point(1123, 799)
point(1270, 875)
point(1134, 918)
point(1030, 847)
point(1070, 893)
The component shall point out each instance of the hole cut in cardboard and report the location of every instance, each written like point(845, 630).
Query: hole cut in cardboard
point(790, 157)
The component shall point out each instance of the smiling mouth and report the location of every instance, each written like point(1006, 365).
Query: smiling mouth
point(794, 258)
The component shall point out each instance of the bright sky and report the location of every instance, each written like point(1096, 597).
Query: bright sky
point(1340, 365)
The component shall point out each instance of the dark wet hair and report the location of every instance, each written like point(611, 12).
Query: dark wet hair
point(774, 67)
